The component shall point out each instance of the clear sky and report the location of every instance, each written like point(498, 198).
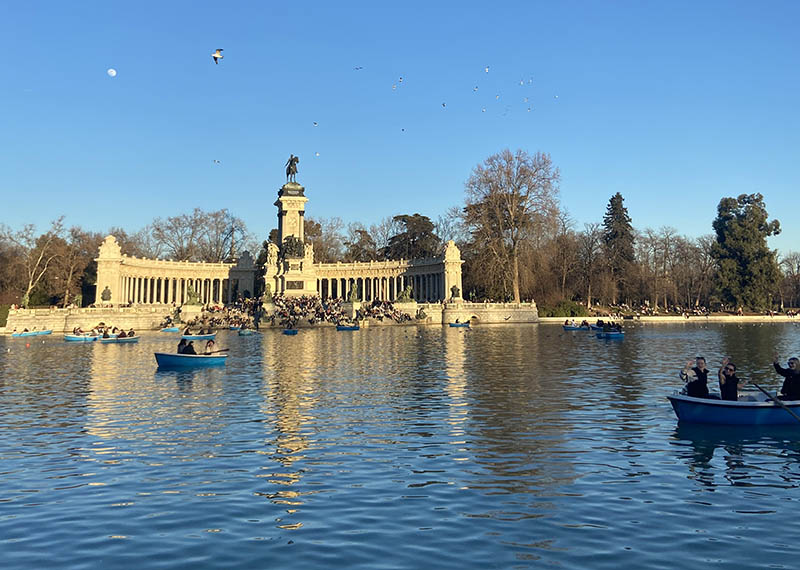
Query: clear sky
point(673, 104)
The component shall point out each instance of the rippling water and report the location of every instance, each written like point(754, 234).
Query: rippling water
point(497, 447)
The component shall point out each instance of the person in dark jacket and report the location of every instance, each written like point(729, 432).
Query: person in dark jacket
point(182, 346)
point(696, 378)
point(728, 381)
point(189, 348)
point(791, 383)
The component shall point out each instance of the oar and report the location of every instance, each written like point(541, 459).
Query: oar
point(227, 349)
point(777, 401)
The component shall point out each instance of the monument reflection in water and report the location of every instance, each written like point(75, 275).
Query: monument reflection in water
point(402, 447)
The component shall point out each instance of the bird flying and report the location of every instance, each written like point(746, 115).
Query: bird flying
point(217, 55)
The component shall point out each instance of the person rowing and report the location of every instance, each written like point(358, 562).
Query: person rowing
point(791, 383)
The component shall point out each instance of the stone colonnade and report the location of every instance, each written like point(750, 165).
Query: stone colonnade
point(425, 287)
point(123, 279)
point(431, 280)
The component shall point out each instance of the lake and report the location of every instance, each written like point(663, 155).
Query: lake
point(499, 446)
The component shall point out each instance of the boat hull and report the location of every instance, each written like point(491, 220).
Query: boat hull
point(461, 325)
point(124, 340)
point(234, 328)
point(724, 412)
point(23, 334)
point(199, 336)
point(290, 332)
point(170, 329)
point(80, 338)
point(571, 328)
point(611, 335)
point(178, 361)
point(347, 328)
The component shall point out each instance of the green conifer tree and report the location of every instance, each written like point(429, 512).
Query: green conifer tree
point(618, 241)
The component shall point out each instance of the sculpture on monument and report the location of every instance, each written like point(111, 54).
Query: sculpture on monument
point(291, 168)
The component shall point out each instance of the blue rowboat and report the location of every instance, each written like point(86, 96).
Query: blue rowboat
point(234, 327)
point(611, 334)
point(290, 331)
point(21, 334)
point(170, 329)
point(465, 325)
point(755, 412)
point(199, 337)
point(595, 327)
point(246, 332)
point(571, 328)
point(172, 360)
point(40, 333)
point(347, 327)
point(123, 340)
point(80, 337)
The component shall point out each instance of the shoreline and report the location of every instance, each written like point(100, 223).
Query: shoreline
point(682, 319)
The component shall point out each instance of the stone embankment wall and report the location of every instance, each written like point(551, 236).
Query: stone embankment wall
point(680, 319)
point(480, 313)
point(64, 320)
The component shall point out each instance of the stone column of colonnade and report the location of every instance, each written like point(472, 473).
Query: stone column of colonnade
point(166, 290)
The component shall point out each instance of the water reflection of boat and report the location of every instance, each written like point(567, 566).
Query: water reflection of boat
point(705, 439)
point(726, 412)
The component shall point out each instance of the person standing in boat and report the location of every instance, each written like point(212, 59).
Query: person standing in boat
point(696, 378)
point(728, 381)
point(791, 383)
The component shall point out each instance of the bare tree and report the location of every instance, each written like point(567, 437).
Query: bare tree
point(506, 195)
point(36, 253)
point(590, 245)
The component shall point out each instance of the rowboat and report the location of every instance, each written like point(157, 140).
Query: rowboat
point(199, 336)
point(753, 411)
point(123, 340)
point(574, 328)
point(172, 360)
point(595, 327)
point(170, 329)
point(246, 332)
point(611, 334)
point(21, 334)
point(40, 333)
point(234, 327)
point(347, 327)
point(465, 325)
point(290, 331)
point(80, 337)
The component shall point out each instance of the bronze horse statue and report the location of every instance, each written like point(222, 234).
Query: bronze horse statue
point(291, 168)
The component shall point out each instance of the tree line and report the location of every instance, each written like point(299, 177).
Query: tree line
point(517, 240)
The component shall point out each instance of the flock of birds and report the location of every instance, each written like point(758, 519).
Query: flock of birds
point(526, 100)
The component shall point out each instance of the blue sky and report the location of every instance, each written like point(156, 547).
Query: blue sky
point(673, 104)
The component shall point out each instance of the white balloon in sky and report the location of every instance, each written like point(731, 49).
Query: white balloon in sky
point(112, 72)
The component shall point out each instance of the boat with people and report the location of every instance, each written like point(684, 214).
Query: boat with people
point(290, 332)
point(751, 410)
point(117, 340)
point(171, 329)
point(574, 328)
point(209, 336)
point(462, 325)
point(177, 361)
point(24, 333)
point(81, 337)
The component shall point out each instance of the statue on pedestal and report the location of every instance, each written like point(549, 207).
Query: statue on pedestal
point(291, 168)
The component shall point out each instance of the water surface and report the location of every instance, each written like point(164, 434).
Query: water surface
point(496, 447)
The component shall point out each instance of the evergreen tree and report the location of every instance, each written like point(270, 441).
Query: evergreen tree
point(416, 241)
point(747, 270)
point(618, 242)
